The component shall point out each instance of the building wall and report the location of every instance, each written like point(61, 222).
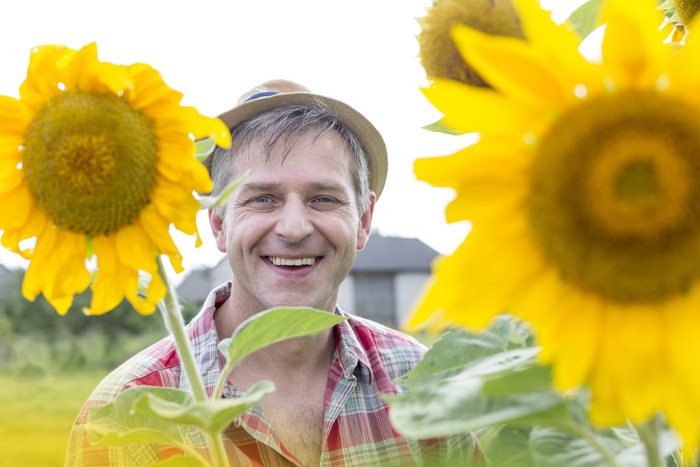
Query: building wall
point(346, 295)
point(409, 287)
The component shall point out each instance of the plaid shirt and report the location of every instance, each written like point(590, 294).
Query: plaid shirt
point(356, 429)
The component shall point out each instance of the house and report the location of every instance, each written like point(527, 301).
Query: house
point(383, 285)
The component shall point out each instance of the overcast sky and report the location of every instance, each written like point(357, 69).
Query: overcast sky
point(363, 52)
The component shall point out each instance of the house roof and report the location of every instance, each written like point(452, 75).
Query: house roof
point(394, 254)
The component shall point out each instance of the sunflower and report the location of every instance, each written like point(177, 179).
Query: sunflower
point(439, 54)
point(584, 197)
point(97, 160)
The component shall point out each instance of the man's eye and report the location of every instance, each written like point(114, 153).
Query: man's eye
point(324, 199)
point(261, 199)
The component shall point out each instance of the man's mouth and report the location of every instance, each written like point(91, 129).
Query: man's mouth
point(277, 261)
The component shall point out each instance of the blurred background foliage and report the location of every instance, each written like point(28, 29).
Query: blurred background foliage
point(35, 340)
point(49, 364)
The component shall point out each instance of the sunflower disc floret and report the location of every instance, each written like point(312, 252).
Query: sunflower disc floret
point(97, 159)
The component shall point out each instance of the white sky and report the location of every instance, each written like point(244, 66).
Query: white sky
point(363, 52)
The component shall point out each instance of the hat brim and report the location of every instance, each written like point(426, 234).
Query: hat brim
point(370, 139)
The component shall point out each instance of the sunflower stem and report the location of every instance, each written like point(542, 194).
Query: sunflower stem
point(172, 315)
point(649, 435)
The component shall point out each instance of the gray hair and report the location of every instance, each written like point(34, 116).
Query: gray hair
point(291, 122)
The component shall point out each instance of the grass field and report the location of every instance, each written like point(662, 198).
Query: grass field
point(36, 415)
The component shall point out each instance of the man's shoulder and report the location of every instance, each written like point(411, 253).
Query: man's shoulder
point(398, 351)
point(383, 335)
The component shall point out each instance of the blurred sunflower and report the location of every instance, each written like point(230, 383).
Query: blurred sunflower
point(438, 52)
point(97, 159)
point(584, 197)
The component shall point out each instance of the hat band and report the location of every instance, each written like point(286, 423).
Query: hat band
point(261, 94)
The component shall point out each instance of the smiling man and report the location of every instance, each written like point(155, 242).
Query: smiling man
point(290, 232)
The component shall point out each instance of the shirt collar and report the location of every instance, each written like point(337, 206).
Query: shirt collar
point(204, 340)
point(350, 350)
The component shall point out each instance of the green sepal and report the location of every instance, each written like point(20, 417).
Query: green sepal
point(586, 17)
point(203, 148)
point(209, 202)
point(441, 127)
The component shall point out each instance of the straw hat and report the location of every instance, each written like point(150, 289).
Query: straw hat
point(281, 93)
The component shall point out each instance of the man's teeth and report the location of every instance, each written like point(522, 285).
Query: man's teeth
point(291, 262)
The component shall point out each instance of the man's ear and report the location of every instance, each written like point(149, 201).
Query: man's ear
point(365, 223)
point(218, 228)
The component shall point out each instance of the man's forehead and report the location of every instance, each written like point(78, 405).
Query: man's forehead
point(278, 149)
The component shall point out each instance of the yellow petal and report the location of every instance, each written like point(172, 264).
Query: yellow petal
point(10, 177)
point(497, 115)
point(75, 74)
point(110, 286)
point(43, 75)
point(178, 166)
point(641, 64)
point(495, 160)
point(157, 228)
point(513, 67)
point(16, 204)
point(187, 119)
point(150, 89)
point(561, 44)
point(14, 118)
point(34, 278)
point(135, 249)
point(144, 305)
point(606, 403)
point(577, 333)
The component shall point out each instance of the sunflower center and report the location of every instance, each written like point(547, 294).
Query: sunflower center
point(90, 162)
point(615, 201)
point(637, 183)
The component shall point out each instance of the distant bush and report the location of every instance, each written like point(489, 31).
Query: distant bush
point(35, 339)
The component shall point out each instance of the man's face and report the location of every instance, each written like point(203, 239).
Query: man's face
point(291, 229)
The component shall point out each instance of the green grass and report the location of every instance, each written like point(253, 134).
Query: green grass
point(36, 415)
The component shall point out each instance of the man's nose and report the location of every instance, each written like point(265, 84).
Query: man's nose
point(294, 223)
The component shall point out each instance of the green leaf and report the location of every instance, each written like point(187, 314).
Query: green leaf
point(209, 202)
point(508, 447)
point(116, 423)
point(147, 414)
point(211, 416)
point(268, 327)
point(532, 378)
point(275, 325)
point(459, 349)
point(552, 448)
point(586, 17)
point(505, 387)
point(460, 406)
point(203, 148)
